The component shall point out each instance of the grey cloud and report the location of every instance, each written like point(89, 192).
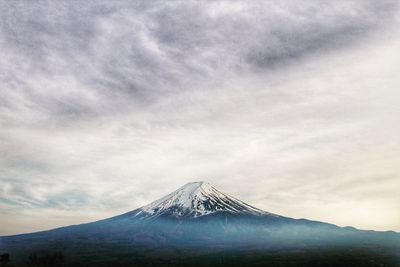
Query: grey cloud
point(147, 50)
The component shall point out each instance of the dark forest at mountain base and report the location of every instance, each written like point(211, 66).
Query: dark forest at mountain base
point(142, 256)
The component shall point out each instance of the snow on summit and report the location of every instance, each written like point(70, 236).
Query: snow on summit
point(197, 199)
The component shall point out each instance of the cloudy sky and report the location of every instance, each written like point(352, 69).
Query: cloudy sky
point(291, 106)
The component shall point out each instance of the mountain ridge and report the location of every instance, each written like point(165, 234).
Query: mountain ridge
point(198, 199)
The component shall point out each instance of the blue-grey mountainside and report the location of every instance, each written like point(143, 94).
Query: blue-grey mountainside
point(197, 220)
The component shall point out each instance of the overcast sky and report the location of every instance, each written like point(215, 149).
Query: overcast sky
point(291, 106)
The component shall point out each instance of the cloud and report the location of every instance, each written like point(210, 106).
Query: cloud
point(105, 106)
point(62, 56)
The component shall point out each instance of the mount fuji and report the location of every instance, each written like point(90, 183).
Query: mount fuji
point(197, 220)
point(197, 199)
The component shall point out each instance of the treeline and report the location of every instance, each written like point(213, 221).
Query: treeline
point(55, 259)
point(4, 259)
point(349, 257)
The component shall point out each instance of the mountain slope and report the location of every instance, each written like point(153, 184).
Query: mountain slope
point(196, 217)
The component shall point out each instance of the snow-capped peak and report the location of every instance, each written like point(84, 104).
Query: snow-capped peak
point(197, 199)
